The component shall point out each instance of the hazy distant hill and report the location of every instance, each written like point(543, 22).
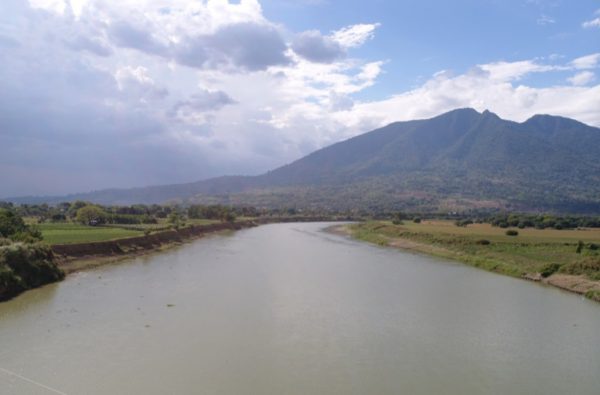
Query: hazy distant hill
point(461, 159)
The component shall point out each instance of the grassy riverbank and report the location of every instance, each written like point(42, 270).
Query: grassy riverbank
point(568, 259)
point(72, 233)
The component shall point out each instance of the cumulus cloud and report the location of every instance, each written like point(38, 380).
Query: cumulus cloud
point(136, 81)
point(586, 62)
point(591, 23)
point(495, 88)
point(91, 44)
point(193, 109)
point(316, 47)
point(582, 78)
point(313, 46)
point(127, 35)
point(355, 35)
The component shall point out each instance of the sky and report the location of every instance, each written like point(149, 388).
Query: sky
point(101, 93)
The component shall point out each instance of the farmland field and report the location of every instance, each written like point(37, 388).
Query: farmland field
point(68, 233)
point(533, 253)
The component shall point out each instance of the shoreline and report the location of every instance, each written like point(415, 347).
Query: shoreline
point(77, 257)
point(577, 284)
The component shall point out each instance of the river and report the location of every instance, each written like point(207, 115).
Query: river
point(291, 309)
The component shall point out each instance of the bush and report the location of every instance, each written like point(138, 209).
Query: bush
point(588, 266)
point(13, 227)
point(483, 242)
point(511, 232)
point(25, 266)
point(549, 269)
point(463, 222)
point(417, 220)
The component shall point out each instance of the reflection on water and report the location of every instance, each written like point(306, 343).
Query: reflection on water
point(288, 309)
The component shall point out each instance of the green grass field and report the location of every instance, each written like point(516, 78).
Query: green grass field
point(532, 251)
point(163, 224)
point(69, 233)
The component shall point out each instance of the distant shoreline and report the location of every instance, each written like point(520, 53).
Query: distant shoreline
point(76, 257)
point(578, 284)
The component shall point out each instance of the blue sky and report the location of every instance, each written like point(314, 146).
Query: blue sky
point(99, 93)
point(421, 37)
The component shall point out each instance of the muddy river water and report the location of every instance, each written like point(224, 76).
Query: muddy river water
point(290, 309)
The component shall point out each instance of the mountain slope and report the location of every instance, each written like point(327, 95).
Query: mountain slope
point(460, 159)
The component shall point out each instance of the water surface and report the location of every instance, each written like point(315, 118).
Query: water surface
point(289, 309)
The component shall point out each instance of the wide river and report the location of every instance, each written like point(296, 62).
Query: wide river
point(290, 309)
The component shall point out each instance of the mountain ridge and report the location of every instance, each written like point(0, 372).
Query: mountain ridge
point(461, 159)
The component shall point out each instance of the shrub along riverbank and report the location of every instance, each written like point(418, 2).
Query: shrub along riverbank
point(26, 266)
point(568, 259)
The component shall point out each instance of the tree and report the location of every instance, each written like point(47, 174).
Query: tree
point(397, 218)
point(10, 223)
point(91, 215)
point(12, 226)
point(175, 219)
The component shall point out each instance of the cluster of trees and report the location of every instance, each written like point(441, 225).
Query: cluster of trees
point(223, 213)
point(542, 221)
point(13, 228)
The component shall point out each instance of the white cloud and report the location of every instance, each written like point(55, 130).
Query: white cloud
point(591, 23)
point(510, 71)
point(355, 35)
point(57, 6)
point(313, 46)
point(586, 62)
point(495, 90)
point(582, 78)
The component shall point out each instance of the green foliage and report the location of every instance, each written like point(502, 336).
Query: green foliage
point(463, 222)
point(550, 269)
point(511, 232)
point(488, 248)
point(589, 266)
point(12, 226)
point(26, 266)
point(398, 217)
point(11, 223)
point(91, 215)
point(417, 220)
point(579, 246)
point(68, 233)
point(542, 221)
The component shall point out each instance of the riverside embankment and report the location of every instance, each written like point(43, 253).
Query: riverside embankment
point(23, 267)
point(566, 259)
point(80, 256)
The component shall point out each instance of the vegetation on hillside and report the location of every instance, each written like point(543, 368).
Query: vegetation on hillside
point(458, 161)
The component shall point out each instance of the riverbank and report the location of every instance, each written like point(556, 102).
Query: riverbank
point(76, 257)
point(546, 256)
point(82, 256)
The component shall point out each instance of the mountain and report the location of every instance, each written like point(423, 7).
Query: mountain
point(459, 160)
